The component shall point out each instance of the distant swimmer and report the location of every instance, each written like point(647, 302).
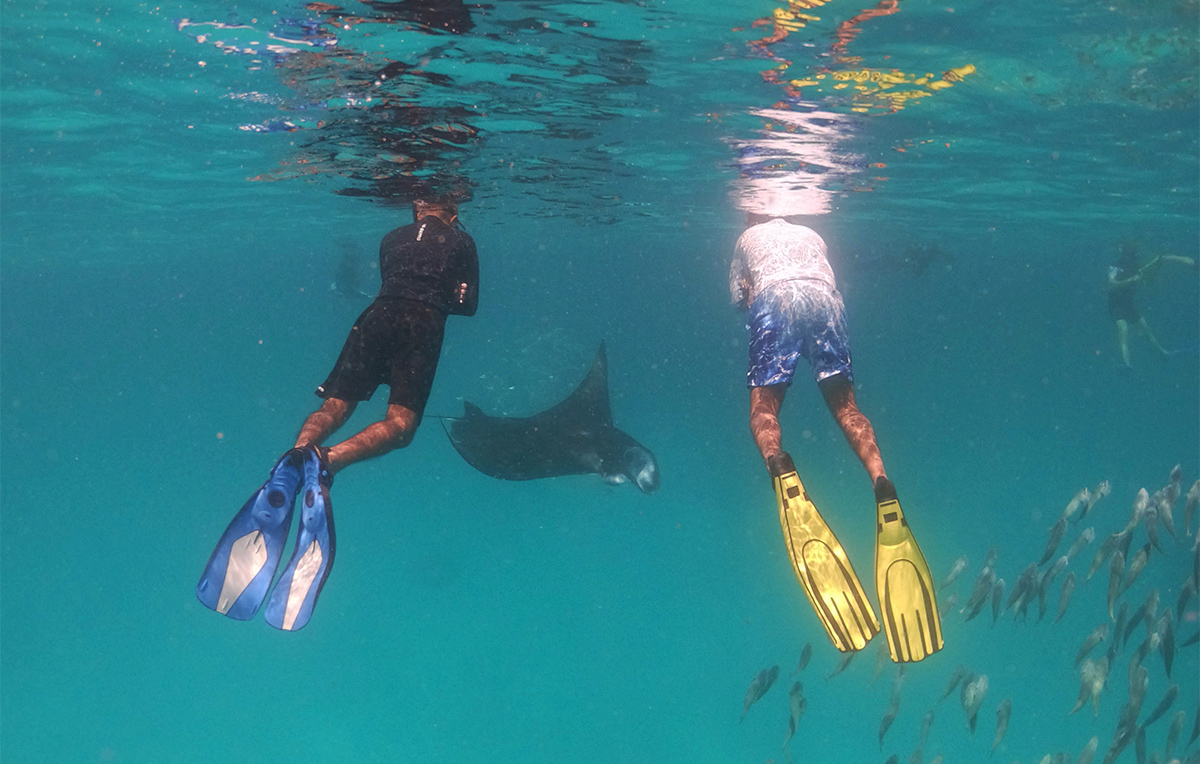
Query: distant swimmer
point(430, 270)
point(781, 275)
point(1124, 276)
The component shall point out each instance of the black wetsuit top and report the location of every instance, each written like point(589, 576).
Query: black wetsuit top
point(425, 262)
point(398, 339)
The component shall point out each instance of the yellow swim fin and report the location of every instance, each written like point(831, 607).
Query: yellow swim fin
point(907, 597)
point(820, 563)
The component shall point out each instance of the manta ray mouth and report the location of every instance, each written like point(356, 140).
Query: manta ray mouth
point(642, 468)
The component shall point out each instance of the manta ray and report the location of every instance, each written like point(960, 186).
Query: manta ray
point(574, 437)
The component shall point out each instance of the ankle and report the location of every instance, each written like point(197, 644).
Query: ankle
point(780, 463)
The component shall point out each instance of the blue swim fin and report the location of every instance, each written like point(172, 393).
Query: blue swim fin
point(239, 573)
point(296, 593)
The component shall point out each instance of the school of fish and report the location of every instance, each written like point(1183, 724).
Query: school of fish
point(1097, 662)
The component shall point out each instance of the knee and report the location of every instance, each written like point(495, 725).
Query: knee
point(400, 437)
point(337, 409)
point(401, 426)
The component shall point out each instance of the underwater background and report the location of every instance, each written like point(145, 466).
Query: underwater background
point(191, 201)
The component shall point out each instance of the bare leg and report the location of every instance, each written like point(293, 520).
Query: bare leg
point(764, 418)
point(324, 421)
point(1123, 340)
point(839, 396)
point(1150, 336)
point(395, 431)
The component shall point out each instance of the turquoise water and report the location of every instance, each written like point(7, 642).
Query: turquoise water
point(175, 284)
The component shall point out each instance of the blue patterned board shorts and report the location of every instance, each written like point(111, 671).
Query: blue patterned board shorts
point(792, 319)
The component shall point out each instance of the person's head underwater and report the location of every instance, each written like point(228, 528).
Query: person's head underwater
point(444, 208)
point(1127, 256)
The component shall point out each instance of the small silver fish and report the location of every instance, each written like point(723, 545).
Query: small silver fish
point(1003, 712)
point(926, 725)
point(1166, 510)
point(1024, 585)
point(843, 664)
point(1148, 646)
point(1176, 479)
point(973, 611)
point(1135, 566)
point(1190, 640)
point(882, 658)
point(982, 590)
point(1116, 573)
point(796, 704)
point(1139, 682)
point(1150, 521)
point(1098, 635)
point(1097, 493)
point(992, 555)
point(1098, 677)
point(956, 676)
point(758, 687)
point(1186, 592)
point(897, 685)
point(1064, 597)
point(1093, 675)
point(1102, 554)
point(1082, 540)
point(1139, 508)
point(805, 657)
point(1056, 534)
point(959, 566)
point(1118, 630)
point(1146, 613)
point(1166, 630)
point(1123, 544)
point(1047, 579)
point(885, 724)
point(1193, 499)
point(1163, 705)
point(972, 695)
point(948, 604)
point(1081, 497)
point(1176, 730)
point(1123, 736)
point(1089, 751)
point(997, 599)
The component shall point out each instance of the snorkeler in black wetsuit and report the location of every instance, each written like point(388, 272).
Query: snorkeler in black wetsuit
point(430, 270)
point(1124, 276)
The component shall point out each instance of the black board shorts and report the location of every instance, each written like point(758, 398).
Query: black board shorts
point(394, 342)
point(1121, 307)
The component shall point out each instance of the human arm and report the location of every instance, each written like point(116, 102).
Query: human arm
point(739, 280)
point(1188, 261)
point(1115, 280)
point(466, 280)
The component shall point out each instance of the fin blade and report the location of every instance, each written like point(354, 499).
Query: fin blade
point(238, 575)
point(291, 604)
point(907, 594)
point(823, 570)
